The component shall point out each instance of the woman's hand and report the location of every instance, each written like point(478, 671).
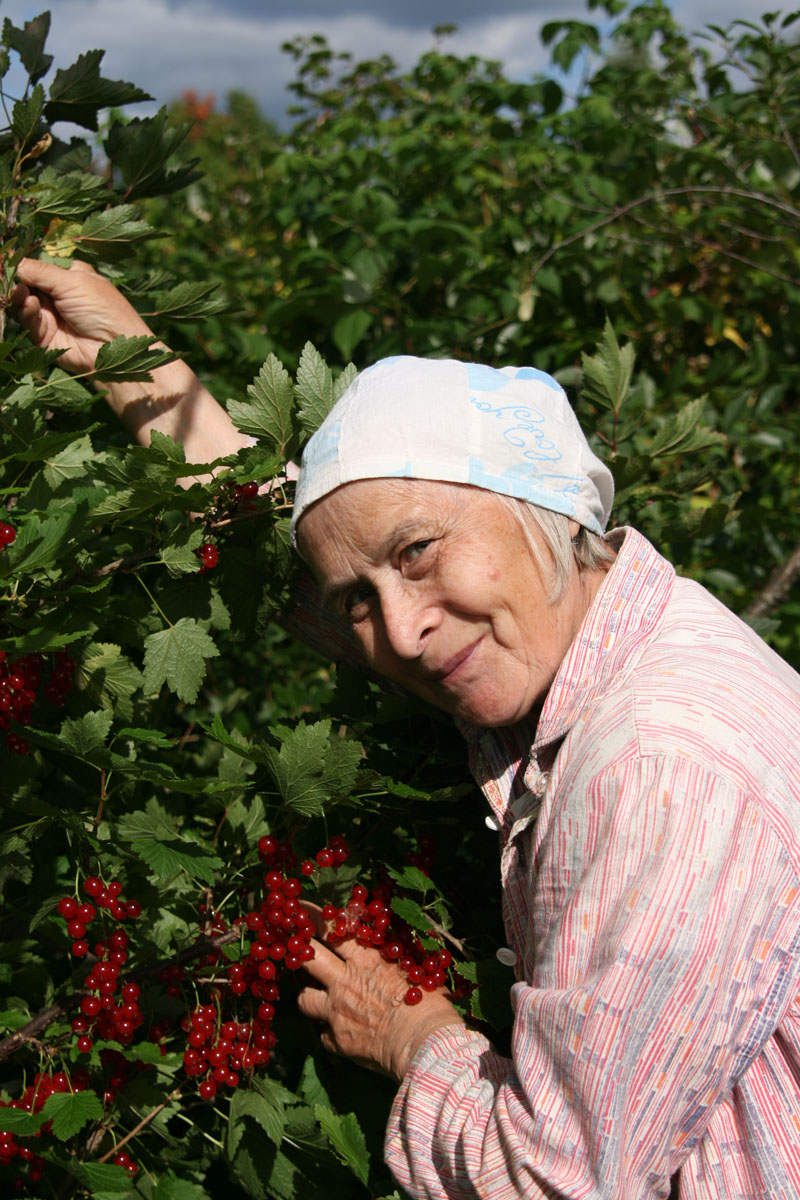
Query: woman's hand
point(74, 310)
point(361, 1002)
point(78, 310)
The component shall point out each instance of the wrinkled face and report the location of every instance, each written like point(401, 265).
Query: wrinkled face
point(442, 594)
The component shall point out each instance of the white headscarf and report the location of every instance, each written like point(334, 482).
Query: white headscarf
point(510, 430)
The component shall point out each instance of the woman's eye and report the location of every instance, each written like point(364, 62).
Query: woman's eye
point(357, 602)
point(416, 549)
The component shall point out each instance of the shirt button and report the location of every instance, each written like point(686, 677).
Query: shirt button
point(506, 956)
point(492, 823)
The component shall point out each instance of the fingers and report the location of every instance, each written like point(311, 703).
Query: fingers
point(48, 276)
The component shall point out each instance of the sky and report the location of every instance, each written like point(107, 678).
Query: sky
point(214, 46)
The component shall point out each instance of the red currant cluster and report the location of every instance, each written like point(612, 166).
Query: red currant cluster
point(7, 534)
point(33, 1100)
point(220, 1050)
point(372, 923)
point(123, 1159)
point(19, 683)
point(208, 555)
point(101, 1016)
point(241, 493)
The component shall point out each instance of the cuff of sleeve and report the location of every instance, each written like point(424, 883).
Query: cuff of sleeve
point(447, 1062)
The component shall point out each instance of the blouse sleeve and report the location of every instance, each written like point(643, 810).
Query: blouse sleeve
point(665, 952)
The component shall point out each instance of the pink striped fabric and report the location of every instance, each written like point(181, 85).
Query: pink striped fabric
point(650, 865)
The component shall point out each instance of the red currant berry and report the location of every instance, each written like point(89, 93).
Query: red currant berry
point(7, 534)
point(413, 995)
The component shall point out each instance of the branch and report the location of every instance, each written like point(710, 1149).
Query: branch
point(174, 1095)
point(9, 1045)
point(666, 193)
point(775, 588)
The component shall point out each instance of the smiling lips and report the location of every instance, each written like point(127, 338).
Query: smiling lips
point(449, 669)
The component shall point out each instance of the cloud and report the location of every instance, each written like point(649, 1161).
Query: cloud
point(168, 46)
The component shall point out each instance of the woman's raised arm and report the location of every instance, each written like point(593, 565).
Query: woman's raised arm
point(77, 310)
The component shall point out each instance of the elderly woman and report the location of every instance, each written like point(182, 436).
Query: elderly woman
point(638, 748)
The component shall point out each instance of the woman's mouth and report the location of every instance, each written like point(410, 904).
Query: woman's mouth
point(455, 665)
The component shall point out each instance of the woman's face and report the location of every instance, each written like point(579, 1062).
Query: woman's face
point(442, 594)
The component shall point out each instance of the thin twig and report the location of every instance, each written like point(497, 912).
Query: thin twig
point(775, 588)
point(115, 1149)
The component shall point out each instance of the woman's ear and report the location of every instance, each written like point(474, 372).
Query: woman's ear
point(574, 529)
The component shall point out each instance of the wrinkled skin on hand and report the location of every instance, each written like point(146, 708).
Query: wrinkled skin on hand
point(73, 310)
point(360, 999)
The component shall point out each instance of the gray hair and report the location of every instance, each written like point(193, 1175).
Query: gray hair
point(546, 530)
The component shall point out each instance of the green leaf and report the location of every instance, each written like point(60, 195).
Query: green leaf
point(681, 434)
point(26, 116)
point(170, 1187)
point(177, 656)
point(129, 358)
point(411, 912)
point(269, 1117)
point(29, 44)
point(607, 374)
point(491, 1000)
point(187, 302)
point(179, 556)
point(77, 93)
point(141, 148)
point(269, 413)
point(309, 769)
point(155, 839)
point(310, 1087)
point(412, 878)
point(314, 389)
point(347, 1139)
point(85, 736)
point(349, 330)
point(113, 234)
point(16, 1120)
point(71, 195)
point(69, 463)
point(108, 677)
point(70, 1111)
point(102, 1177)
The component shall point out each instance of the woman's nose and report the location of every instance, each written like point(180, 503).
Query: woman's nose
point(407, 622)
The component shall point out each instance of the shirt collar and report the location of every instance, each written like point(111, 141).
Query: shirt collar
point(627, 610)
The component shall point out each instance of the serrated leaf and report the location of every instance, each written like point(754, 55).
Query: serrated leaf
point(491, 1000)
point(108, 677)
point(69, 463)
point(347, 1139)
point(129, 358)
point(269, 1117)
point(170, 1187)
point(102, 1177)
point(412, 878)
point(141, 149)
point(269, 413)
point(411, 912)
point(85, 736)
point(29, 44)
point(26, 115)
point(309, 769)
point(38, 542)
point(154, 838)
point(314, 389)
point(70, 1111)
point(187, 302)
point(79, 91)
point(113, 233)
point(680, 433)
point(70, 195)
point(16, 1120)
point(607, 374)
point(177, 656)
point(310, 1087)
point(179, 555)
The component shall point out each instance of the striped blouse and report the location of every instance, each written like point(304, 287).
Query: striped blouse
point(650, 856)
